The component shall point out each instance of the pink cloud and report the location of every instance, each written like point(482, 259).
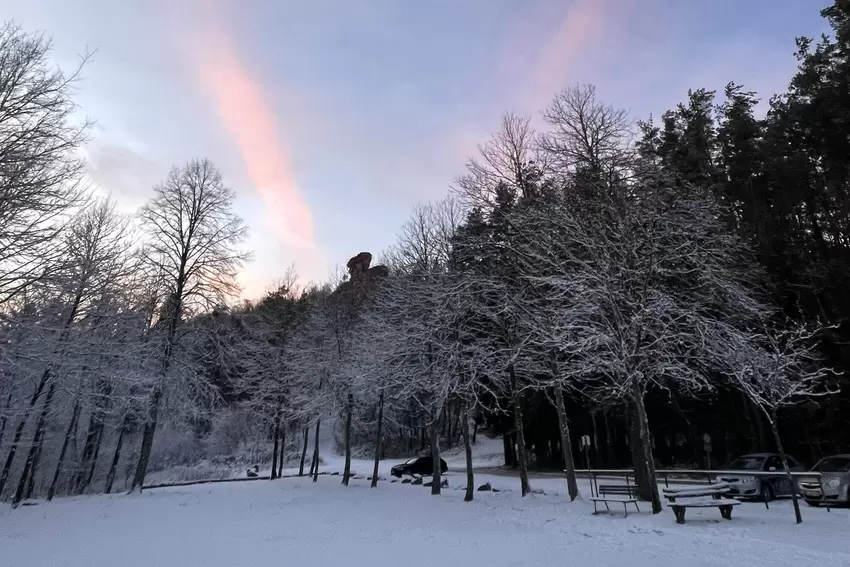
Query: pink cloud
point(580, 23)
point(541, 58)
point(242, 106)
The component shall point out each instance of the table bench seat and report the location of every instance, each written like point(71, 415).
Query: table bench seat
point(724, 505)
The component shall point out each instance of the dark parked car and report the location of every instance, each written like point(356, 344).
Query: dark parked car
point(418, 466)
point(834, 481)
point(760, 487)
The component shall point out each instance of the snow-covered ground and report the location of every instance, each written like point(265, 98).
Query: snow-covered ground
point(297, 522)
point(486, 452)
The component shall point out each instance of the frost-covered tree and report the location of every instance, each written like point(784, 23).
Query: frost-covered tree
point(95, 261)
point(508, 173)
point(261, 350)
point(40, 168)
point(776, 367)
point(640, 277)
point(194, 239)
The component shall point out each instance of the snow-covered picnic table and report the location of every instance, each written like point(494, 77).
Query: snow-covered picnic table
point(703, 497)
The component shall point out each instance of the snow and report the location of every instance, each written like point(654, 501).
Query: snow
point(296, 522)
point(486, 452)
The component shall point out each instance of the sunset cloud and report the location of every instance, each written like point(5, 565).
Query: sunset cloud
point(242, 106)
point(580, 22)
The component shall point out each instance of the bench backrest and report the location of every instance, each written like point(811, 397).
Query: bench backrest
point(695, 493)
point(708, 490)
point(616, 489)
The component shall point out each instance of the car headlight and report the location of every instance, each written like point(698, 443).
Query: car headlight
point(833, 483)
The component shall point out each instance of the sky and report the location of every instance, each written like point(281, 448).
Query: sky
point(332, 118)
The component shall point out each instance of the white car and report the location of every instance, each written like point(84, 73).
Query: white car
point(760, 487)
point(834, 485)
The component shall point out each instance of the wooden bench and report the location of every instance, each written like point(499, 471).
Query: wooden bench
point(615, 493)
point(703, 497)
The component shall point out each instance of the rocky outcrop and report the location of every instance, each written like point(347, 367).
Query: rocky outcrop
point(362, 279)
point(361, 274)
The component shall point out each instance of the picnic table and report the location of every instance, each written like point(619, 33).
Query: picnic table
point(702, 497)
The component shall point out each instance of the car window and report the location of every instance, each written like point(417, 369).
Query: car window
point(747, 463)
point(833, 464)
point(773, 462)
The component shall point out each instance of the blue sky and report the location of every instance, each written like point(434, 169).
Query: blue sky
point(331, 118)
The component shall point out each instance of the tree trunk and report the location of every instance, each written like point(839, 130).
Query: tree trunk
point(93, 466)
point(10, 458)
point(449, 418)
point(282, 449)
point(443, 418)
point(75, 415)
point(609, 442)
point(147, 442)
point(275, 434)
point(641, 474)
point(466, 418)
point(521, 456)
point(3, 416)
point(346, 470)
point(19, 430)
point(31, 464)
point(312, 465)
point(116, 456)
point(34, 469)
point(646, 450)
point(316, 452)
point(94, 436)
point(378, 440)
point(304, 451)
point(775, 428)
point(566, 444)
point(437, 470)
point(595, 447)
point(509, 449)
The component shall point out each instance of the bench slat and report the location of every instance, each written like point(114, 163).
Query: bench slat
point(694, 494)
point(613, 499)
point(618, 489)
point(716, 488)
point(704, 504)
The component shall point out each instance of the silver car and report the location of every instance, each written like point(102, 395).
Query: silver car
point(760, 487)
point(834, 485)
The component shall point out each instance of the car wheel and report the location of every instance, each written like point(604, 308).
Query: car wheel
point(812, 503)
point(767, 494)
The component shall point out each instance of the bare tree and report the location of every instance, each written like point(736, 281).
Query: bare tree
point(776, 368)
point(586, 134)
point(94, 258)
point(40, 169)
point(194, 238)
point(509, 172)
point(507, 159)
